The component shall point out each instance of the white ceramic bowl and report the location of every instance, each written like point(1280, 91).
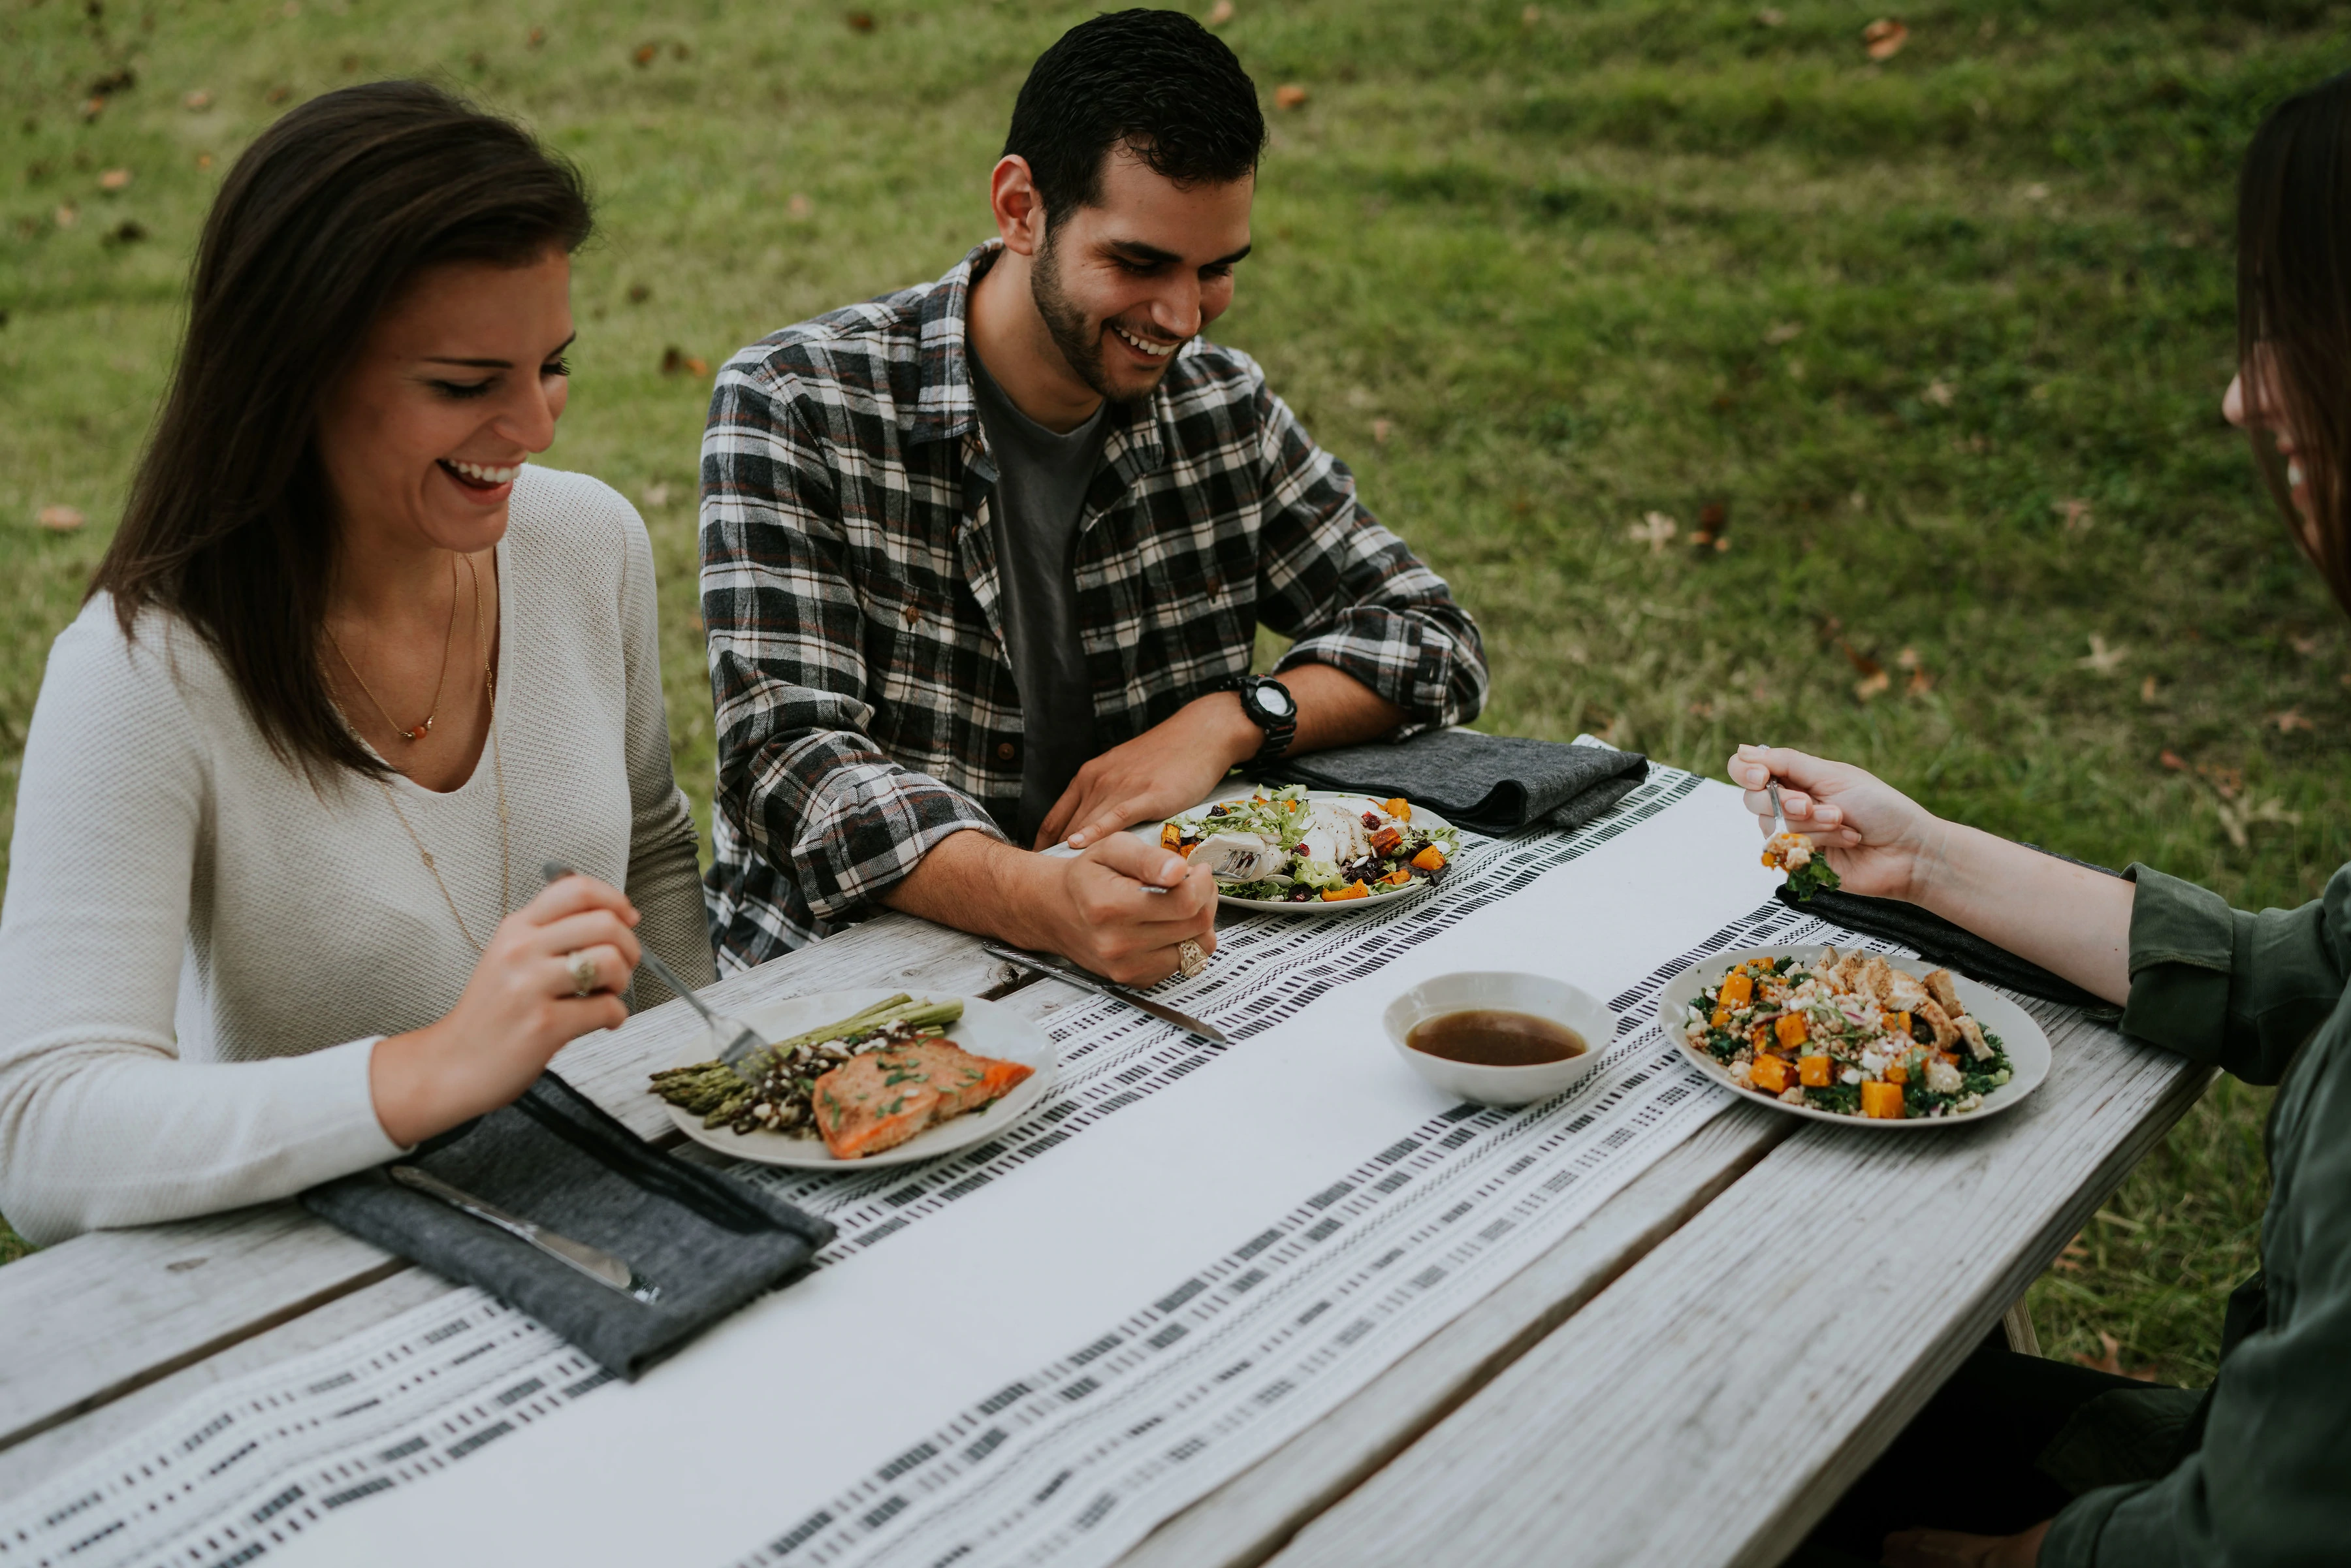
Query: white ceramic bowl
point(1544, 997)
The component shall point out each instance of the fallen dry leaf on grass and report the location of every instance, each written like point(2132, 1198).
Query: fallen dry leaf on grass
point(66, 215)
point(1654, 528)
point(1381, 430)
point(1713, 528)
point(278, 94)
point(676, 359)
point(1869, 687)
point(203, 159)
point(799, 206)
point(859, 21)
point(2036, 192)
point(60, 519)
point(1220, 12)
point(639, 293)
point(2172, 760)
point(114, 180)
point(2077, 513)
point(1770, 17)
point(2237, 820)
point(2147, 690)
point(1884, 37)
point(2071, 1259)
point(2105, 660)
point(1859, 660)
point(645, 54)
point(1785, 332)
point(1290, 95)
point(538, 37)
point(2111, 1361)
point(655, 494)
point(2291, 720)
point(1530, 17)
point(198, 99)
point(2305, 647)
point(2226, 782)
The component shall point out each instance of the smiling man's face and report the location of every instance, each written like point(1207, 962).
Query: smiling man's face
point(1124, 283)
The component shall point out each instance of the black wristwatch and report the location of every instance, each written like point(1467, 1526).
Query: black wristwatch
point(1271, 708)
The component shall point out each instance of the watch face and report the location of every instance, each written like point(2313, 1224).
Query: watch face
point(1275, 699)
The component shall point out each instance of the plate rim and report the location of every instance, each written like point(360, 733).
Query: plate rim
point(2007, 1097)
point(810, 1154)
point(1322, 907)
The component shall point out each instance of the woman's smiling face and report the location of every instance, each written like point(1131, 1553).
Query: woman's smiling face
point(459, 381)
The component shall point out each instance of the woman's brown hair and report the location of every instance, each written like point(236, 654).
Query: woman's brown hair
point(231, 523)
point(2293, 311)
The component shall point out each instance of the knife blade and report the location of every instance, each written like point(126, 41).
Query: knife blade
point(1086, 980)
point(593, 1261)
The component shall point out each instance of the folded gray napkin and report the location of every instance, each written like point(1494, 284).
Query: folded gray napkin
point(1489, 783)
point(710, 1242)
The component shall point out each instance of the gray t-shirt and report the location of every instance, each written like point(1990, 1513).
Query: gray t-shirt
point(1040, 492)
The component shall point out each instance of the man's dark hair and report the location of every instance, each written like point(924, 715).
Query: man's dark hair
point(325, 218)
point(1157, 81)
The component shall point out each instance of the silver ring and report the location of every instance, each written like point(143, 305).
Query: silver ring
point(1189, 958)
point(582, 965)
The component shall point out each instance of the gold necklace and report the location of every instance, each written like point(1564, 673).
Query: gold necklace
point(498, 769)
point(448, 636)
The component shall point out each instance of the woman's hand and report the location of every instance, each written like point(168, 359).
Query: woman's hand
point(1879, 841)
point(521, 1006)
point(1950, 1549)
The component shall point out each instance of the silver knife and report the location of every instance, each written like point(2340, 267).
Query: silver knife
point(1085, 980)
point(593, 1261)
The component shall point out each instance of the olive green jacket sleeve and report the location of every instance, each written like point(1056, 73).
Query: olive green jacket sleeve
point(2271, 1482)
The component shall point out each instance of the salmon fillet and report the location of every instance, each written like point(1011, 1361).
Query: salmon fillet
point(879, 1100)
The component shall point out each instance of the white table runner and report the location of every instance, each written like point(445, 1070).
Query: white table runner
point(1035, 1350)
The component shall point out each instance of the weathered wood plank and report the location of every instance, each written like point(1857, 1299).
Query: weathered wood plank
point(1244, 1522)
point(1888, 1257)
point(36, 1459)
point(98, 1317)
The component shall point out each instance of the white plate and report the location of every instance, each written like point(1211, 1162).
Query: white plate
point(1421, 816)
point(985, 1029)
point(2027, 1047)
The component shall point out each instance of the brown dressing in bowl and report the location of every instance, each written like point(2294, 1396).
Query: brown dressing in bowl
point(1494, 1036)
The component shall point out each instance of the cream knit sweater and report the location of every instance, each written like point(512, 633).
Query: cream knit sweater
point(199, 950)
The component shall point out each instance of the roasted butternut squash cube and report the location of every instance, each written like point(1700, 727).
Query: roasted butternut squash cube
point(1738, 989)
point(1882, 1101)
point(1397, 877)
point(1896, 1073)
point(1789, 1028)
point(1897, 1023)
point(1398, 808)
point(1815, 1071)
point(1353, 890)
point(1770, 1075)
point(1430, 858)
point(1386, 840)
point(1721, 1018)
point(1170, 835)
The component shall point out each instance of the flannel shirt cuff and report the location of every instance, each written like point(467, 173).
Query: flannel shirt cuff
point(1402, 662)
point(867, 827)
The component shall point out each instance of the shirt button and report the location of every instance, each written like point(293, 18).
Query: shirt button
point(1004, 750)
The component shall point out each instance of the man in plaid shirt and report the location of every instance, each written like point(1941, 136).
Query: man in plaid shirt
point(1033, 479)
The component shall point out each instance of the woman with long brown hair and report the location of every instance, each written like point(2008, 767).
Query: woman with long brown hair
point(2054, 1464)
point(350, 670)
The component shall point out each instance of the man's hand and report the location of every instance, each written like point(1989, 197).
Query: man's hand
point(1167, 768)
point(1109, 916)
point(1123, 908)
point(1171, 766)
point(1950, 1549)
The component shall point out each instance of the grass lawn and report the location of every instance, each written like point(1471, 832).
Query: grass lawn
point(1940, 338)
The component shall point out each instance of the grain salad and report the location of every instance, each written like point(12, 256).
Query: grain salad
point(1850, 1035)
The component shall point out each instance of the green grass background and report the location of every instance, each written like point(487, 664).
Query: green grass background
point(1536, 272)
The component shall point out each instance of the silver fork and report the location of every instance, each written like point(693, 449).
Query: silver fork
point(1779, 814)
point(741, 1038)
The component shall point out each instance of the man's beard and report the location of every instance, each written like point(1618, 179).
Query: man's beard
point(1067, 325)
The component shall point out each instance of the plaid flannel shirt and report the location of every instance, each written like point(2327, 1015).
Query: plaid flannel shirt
point(866, 706)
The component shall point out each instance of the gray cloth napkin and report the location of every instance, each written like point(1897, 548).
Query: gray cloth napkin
point(711, 1242)
point(1490, 783)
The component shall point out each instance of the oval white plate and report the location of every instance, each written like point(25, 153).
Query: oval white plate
point(1421, 815)
point(985, 1029)
point(2027, 1047)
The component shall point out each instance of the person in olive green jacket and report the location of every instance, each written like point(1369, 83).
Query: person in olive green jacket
point(2257, 1470)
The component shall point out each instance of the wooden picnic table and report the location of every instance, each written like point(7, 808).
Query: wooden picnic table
point(1520, 1433)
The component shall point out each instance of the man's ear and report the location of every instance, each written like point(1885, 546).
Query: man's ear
point(1020, 212)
